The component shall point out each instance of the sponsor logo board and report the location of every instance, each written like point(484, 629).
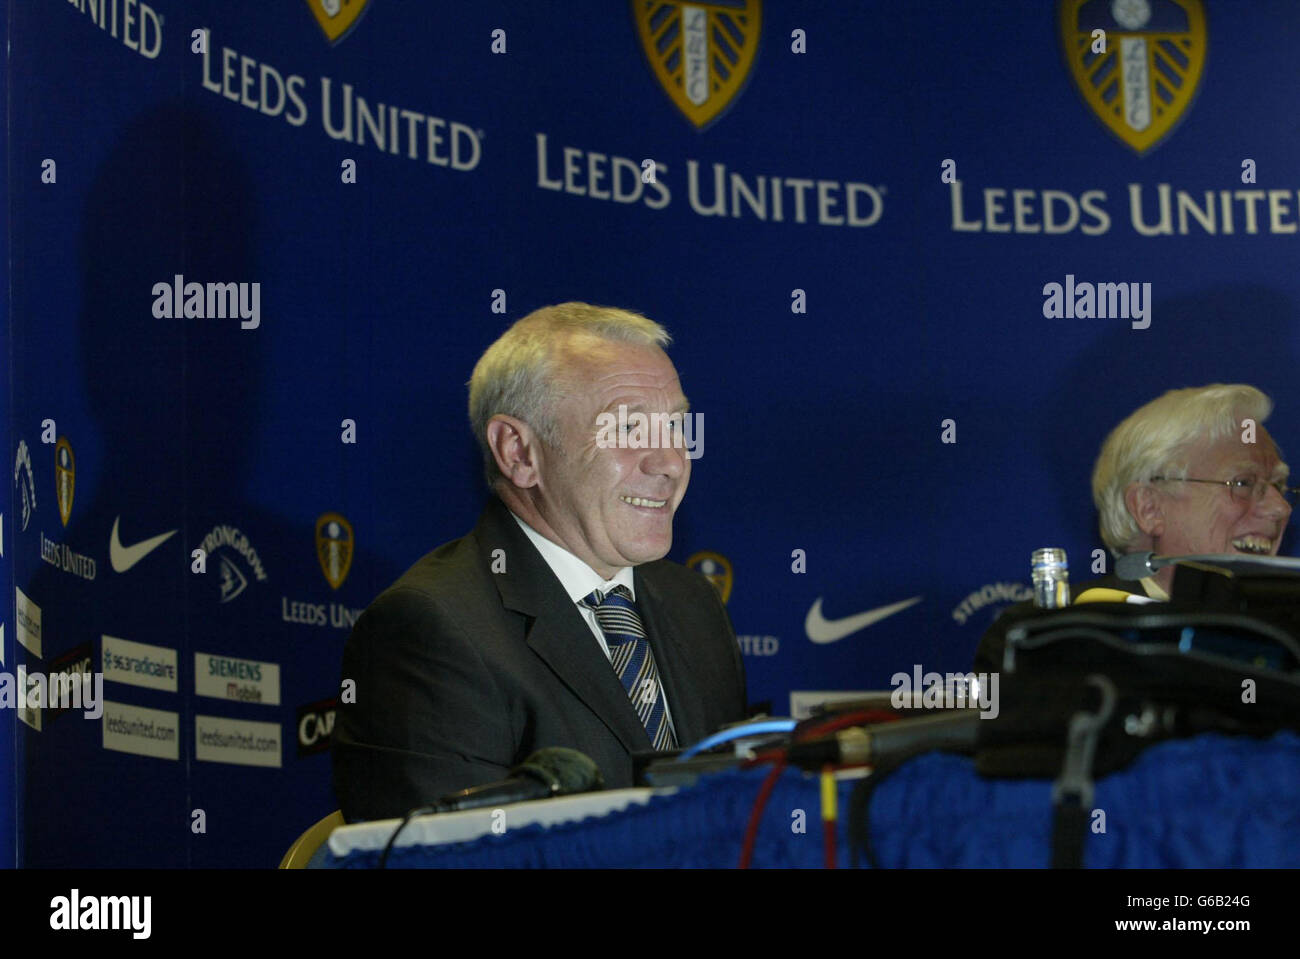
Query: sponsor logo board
point(240, 680)
point(144, 732)
point(138, 664)
point(238, 741)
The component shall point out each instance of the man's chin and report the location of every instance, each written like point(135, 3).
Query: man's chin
point(647, 550)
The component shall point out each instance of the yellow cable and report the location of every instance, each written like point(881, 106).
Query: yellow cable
point(829, 794)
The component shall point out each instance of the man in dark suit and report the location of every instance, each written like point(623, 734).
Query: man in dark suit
point(1193, 471)
point(556, 622)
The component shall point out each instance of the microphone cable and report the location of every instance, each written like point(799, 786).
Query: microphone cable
point(388, 848)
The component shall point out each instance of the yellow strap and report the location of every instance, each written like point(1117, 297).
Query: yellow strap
point(1100, 594)
point(828, 796)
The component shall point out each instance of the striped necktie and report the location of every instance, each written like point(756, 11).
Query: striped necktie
point(633, 661)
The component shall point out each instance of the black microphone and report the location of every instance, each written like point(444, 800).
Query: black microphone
point(554, 771)
point(1140, 565)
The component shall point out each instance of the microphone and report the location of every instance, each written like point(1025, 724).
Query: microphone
point(1139, 565)
point(873, 745)
point(554, 771)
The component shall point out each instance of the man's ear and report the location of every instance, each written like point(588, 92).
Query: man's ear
point(515, 448)
point(1146, 508)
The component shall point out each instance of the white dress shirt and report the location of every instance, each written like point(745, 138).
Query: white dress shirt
point(578, 580)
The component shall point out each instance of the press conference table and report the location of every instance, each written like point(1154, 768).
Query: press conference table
point(369, 838)
point(1211, 801)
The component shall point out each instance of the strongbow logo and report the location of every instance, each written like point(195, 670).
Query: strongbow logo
point(701, 53)
point(122, 558)
point(65, 475)
point(1137, 63)
point(337, 17)
point(716, 568)
point(235, 554)
point(25, 482)
point(992, 595)
point(232, 582)
point(822, 630)
point(334, 547)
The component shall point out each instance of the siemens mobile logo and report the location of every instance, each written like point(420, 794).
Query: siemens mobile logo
point(236, 668)
point(241, 680)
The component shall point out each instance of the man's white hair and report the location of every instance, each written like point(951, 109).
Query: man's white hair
point(1156, 441)
point(522, 373)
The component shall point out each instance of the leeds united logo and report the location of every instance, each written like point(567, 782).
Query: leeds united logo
point(716, 568)
point(65, 475)
point(700, 52)
point(337, 17)
point(1144, 80)
point(334, 547)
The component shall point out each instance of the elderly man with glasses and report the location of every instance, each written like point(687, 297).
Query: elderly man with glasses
point(1193, 471)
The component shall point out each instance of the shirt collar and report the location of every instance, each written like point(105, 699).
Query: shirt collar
point(577, 578)
point(1153, 589)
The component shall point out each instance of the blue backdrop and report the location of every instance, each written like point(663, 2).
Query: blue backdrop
point(890, 412)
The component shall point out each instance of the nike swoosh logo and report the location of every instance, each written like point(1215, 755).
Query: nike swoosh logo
point(823, 630)
point(122, 558)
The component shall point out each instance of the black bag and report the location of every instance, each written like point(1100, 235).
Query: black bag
point(1084, 690)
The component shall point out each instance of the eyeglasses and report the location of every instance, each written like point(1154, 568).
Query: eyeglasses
point(1244, 489)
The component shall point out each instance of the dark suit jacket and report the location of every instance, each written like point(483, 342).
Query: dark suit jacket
point(461, 673)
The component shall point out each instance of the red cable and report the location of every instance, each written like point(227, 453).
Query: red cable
point(771, 756)
point(829, 835)
point(848, 719)
point(756, 814)
point(778, 759)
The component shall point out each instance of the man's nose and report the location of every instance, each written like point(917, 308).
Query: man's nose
point(667, 460)
point(1274, 504)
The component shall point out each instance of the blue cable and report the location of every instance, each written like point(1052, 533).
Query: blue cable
point(762, 726)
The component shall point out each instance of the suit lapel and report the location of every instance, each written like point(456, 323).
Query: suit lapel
point(668, 628)
point(555, 631)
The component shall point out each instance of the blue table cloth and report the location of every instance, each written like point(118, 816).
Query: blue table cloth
point(1207, 802)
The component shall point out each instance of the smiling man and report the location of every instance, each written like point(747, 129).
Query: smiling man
point(1193, 471)
point(556, 622)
